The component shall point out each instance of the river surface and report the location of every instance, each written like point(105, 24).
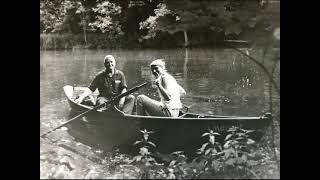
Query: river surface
point(217, 81)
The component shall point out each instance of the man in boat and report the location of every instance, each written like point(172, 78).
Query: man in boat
point(169, 91)
point(110, 82)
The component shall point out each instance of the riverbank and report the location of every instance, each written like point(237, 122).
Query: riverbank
point(67, 159)
point(102, 41)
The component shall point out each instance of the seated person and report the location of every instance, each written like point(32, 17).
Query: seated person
point(169, 92)
point(110, 83)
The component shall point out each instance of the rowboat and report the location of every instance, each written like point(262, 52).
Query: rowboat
point(170, 134)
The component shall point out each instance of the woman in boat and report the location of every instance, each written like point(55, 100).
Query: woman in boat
point(169, 91)
point(110, 82)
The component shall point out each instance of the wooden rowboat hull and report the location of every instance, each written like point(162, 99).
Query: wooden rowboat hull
point(170, 134)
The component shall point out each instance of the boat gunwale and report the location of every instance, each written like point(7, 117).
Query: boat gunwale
point(201, 117)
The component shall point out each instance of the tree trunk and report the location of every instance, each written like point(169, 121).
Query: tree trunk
point(85, 34)
point(185, 68)
point(84, 25)
point(186, 43)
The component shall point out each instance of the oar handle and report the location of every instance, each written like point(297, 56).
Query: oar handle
point(72, 119)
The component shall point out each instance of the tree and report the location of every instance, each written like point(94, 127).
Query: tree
point(107, 18)
point(51, 15)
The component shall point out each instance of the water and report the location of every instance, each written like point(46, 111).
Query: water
point(217, 81)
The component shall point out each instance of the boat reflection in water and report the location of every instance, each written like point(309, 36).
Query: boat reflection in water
point(94, 131)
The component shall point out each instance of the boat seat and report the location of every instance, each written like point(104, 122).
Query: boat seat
point(182, 115)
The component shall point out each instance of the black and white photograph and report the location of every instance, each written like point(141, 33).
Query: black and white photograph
point(160, 89)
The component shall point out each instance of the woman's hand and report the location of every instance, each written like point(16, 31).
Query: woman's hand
point(158, 80)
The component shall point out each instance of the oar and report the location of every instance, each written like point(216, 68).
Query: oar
point(188, 107)
point(112, 100)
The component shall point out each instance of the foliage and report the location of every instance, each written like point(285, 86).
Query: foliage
point(51, 15)
point(254, 21)
point(249, 20)
point(151, 22)
point(144, 155)
point(106, 18)
point(63, 16)
point(240, 157)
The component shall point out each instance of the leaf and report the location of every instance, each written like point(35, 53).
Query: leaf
point(143, 131)
point(144, 151)
point(137, 142)
point(216, 134)
point(172, 163)
point(220, 153)
point(203, 147)
point(249, 131)
point(227, 144)
point(151, 143)
point(236, 146)
point(207, 151)
point(250, 141)
point(228, 137)
point(211, 139)
point(150, 159)
point(239, 161)
point(232, 129)
point(137, 158)
point(182, 158)
point(228, 152)
point(231, 162)
point(239, 138)
point(241, 134)
point(214, 151)
point(252, 163)
point(235, 142)
point(177, 153)
point(145, 136)
point(205, 134)
point(244, 157)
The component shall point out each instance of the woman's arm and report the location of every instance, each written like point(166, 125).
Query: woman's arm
point(181, 90)
point(163, 84)
point(166, 86)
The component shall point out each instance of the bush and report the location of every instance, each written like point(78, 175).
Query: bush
point(240, 157)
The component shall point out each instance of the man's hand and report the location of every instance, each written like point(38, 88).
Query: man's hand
point(120, 105)
point(121, 102)
point(79, 100)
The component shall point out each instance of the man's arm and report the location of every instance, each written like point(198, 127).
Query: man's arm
point(88, 91)
point(121, 101)
point(123, 86)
